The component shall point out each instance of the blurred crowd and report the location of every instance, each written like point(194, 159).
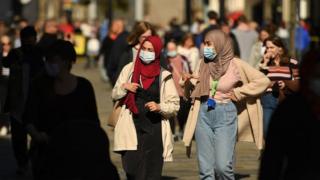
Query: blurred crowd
point(255, 71)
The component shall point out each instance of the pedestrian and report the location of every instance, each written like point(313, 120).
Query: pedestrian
point(258, 49)
point(24, 63)
point(118, 47)
point(291, 150)
point(57, 97)
point(4, 77)
point(213, 23)
point(245, 36)
point(226, 28)
point(142, 134)
point(223, 82)
point(283, 73)
point(106, 46)
point(301, 39)
point(178, 66)
point(141, 30)
point(189, 51)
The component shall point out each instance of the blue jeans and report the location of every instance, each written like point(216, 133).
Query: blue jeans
point(215, 134)
point(269, 104)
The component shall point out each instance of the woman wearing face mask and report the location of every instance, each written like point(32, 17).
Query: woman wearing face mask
point(149, 97)
point(282, 71)
point(140, 31)
point(56, 98)
point(178, 66)
point(221, 82)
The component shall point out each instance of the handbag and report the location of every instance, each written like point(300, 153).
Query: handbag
point(114, 116)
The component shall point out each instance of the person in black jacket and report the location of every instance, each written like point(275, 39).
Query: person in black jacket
point(25, 63)
point(60, 110)
point(118, 47)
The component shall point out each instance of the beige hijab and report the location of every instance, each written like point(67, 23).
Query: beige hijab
point(216, 68)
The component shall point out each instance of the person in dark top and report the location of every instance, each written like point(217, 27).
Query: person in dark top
point(118, 47)
point(226, 28)
point(108, 41)
point(24, 64)
point(292, 151)
point(57, 98)
point(175, 33)
point(213, 23)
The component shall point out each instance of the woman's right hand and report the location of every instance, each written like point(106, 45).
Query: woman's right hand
point(266, 58)
point(132, 87)
point(187, 76)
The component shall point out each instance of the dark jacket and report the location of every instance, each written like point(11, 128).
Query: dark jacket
point(17, 60)
point(118, 47)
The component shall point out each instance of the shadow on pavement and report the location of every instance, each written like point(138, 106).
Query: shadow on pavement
point(168, 177)
point(241, 176)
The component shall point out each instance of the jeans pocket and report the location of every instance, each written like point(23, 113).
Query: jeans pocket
point(230, 113)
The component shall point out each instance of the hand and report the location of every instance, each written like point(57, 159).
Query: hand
point(187, 76)
point(132, 87)
point(153, 106)
point(281, 84)
point(233, 97)
point(266, 58)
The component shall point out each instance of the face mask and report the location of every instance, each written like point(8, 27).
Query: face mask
point(52, 69)
point(172, 54)
point(209, 53)
point(314, 86)
point(146, 56)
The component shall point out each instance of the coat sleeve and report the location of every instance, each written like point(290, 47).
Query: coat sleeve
point(257, 82)
point(171, 101)
point(118, 92)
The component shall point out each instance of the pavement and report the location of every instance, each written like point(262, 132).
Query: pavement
point(182, 168)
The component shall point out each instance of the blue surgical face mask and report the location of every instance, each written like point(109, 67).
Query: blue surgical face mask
point(146, 56)
point(52, 69)
point(209, 53)
point(172, 54)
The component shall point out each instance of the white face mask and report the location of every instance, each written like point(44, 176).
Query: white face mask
point(314, 86)
point(52, 69)
point(146, 56)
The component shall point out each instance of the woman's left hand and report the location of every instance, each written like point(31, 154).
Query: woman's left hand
point(153, 106)
point(281, 84)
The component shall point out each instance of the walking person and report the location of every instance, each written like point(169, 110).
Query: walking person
point(57, 98)
point(283, 73)
point(4, 77)
point(223, 82)
point(25, 63)
point(189, 50)
point(178, 66)
point(149, 97)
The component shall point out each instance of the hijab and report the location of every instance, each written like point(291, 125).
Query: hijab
point(216, 68)
point(144, 74)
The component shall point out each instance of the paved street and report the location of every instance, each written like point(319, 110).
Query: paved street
point(181, 168)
